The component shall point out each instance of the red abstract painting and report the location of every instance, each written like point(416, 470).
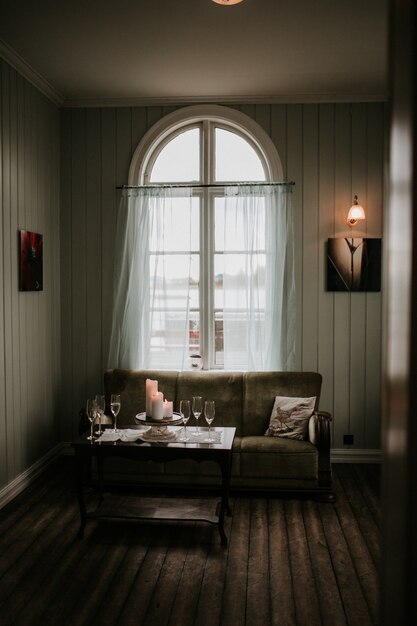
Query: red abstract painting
point(31, 270)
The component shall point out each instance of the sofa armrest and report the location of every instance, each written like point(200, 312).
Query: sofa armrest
point(319, 429)
point(319, 435)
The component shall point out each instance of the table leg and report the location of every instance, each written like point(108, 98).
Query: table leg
point(226, 466)
point(79, 463)
point(100, 475)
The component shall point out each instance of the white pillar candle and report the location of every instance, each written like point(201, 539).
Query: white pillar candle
point(168, 408)
point(151, 390)
point(157, 406)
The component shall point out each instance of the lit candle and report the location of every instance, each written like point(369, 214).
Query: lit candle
point(151, 390)
point(157, 406)
point(168, 408)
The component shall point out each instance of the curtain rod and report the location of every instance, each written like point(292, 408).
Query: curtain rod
point(201, 186)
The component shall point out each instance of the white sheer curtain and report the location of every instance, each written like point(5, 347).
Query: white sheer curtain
point(258, 278)
point(148, 224)
point(156, 278)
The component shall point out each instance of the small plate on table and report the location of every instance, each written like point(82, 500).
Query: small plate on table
point(159, 434)
point(131, 434)
point(124, 434)
point(142, 418)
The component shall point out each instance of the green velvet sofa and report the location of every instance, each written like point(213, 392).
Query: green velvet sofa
point(243, 400)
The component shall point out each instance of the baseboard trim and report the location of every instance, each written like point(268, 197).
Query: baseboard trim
point(340, 455)
point(18, 484)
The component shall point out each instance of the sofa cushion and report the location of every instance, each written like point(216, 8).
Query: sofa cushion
point(261, 388)
point(290, 417)
point(278, 457)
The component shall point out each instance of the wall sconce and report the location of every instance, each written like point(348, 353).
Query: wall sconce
point(356, 213)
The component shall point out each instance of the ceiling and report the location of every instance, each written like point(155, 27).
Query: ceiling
point(97, 51)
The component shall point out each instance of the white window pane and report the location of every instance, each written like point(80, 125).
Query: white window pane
point(243, 278)
point(218, 339)
point(236, 160)
point(176, 228)
point(239, 230)
point(194, 332)
point(218, 281)
point(167, 338)
point(236, 336)
point(244, 281)
point(174, 281)
point(179, 159)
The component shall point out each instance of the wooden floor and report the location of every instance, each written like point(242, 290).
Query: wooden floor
point(289, 561)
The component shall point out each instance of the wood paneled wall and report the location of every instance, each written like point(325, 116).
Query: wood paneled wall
point(30, 332)
point(331, 151)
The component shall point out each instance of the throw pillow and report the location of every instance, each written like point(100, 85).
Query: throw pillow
point(290, 417)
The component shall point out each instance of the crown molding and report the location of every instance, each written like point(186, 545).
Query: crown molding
point(36, 79)
point(30, 74)
point(176, 101)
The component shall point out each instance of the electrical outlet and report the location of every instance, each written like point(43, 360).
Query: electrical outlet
point(348, 440)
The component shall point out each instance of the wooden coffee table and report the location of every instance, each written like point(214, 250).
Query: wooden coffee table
point(219, 453)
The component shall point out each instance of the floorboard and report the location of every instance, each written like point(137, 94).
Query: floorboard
point(290, 561)
point(330, 602)
point(280, 581)
point(304, 585)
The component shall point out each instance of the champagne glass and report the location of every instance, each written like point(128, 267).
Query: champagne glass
point(197, 409)
point(101, 405)
point(115, 408)
point(91, 410)
point(185, 414)
point(209, 410)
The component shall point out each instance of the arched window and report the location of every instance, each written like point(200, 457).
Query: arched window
point(206, 254)
point(213, 134)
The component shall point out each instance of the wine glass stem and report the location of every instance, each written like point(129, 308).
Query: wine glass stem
point(91, 430)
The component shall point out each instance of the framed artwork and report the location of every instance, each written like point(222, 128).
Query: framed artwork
point(30, 261)
point(353, 264)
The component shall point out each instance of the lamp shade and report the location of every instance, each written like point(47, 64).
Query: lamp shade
point(226, 2)
point(356, 213)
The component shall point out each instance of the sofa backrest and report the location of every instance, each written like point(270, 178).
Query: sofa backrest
point(261, 388)
point(225, 388)
point(243, 399)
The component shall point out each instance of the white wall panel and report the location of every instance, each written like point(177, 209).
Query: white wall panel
point(310, 249)
point(109, 201)
point(331, 152)
point(93, 245)
point(29, 321)
point(342, 301)
point(295, 173)
point(326, 198)
point(65, 276)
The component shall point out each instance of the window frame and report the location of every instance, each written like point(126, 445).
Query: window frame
point(207, 119)
point(184, 116)
point(153, 156)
